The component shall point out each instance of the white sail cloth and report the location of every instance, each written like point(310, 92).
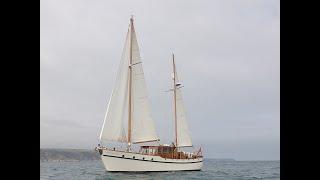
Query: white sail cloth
point(183, 135)
point(143, 128)
point(113, 125)
point(115, 122)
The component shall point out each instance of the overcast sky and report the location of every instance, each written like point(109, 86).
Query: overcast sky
point(227, 55)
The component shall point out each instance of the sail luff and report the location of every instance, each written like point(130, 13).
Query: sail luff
point(104, 120)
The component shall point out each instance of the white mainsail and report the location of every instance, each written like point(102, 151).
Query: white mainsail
point(142, 126)
point(183, 135)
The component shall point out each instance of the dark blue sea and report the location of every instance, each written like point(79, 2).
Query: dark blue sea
point(212, 169)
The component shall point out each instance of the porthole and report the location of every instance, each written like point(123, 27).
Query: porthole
point(143, 158)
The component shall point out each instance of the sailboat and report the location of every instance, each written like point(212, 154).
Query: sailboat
point(128, 121)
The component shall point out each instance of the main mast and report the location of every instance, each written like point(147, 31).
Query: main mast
point(130, 84)
point(175, 99)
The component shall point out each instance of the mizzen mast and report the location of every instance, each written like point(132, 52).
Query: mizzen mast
point(175, 99)
point(182, 135)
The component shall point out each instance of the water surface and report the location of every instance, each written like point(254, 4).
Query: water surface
point(212, 169)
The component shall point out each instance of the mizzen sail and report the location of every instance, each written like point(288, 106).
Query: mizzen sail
point(183, 138)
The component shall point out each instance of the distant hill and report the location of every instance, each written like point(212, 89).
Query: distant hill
point(68, 155)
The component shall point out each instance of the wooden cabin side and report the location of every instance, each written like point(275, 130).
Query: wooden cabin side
point(169, 152)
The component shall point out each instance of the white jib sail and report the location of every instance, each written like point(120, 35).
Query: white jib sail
point(113, 125)
point(183, 135)
point(143, 128)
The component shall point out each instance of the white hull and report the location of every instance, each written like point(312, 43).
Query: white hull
point(114, 161)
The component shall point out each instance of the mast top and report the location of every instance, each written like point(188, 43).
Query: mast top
point(173, 58)
point(131, 19)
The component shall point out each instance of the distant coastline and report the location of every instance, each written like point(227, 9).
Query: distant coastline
point(56, 155)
